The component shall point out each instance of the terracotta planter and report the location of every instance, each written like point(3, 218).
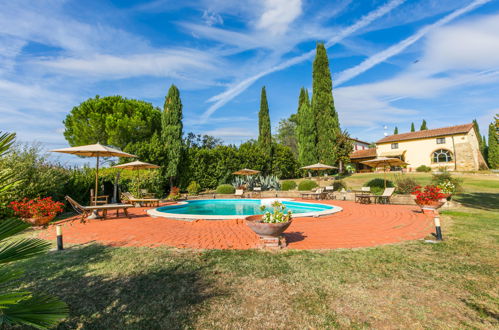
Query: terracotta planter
point(266, 229)
point(39, 221)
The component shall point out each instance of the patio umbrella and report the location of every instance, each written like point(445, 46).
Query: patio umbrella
point(318, 167)
point(94, 150)
point(246, 171)
point(136, 165)
point(384, 161)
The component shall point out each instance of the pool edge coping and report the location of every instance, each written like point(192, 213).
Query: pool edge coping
point(192, 217)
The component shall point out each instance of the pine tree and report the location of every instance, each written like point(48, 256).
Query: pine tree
point(306, 132)
point(423, 126)
point(302, 98)
point(493, 151)
point(396, 130)
point(171, 132)
point(326, 117)
point(412, 127)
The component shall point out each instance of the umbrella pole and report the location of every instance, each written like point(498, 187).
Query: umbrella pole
point(95, 214)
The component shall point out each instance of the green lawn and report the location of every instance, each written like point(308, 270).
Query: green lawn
point(452, 284)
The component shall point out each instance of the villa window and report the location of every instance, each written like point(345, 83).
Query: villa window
point(441, 140)
point(442, 156)
point(395, 145)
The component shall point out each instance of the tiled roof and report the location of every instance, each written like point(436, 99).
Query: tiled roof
point(366, 153)
point(459, 129)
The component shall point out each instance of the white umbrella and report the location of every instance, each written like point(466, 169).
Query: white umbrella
point(94, 150)
point(385, 162)
point(136, 165)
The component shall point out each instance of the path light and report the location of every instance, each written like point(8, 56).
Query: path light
point(58, 230)
point(438, 230)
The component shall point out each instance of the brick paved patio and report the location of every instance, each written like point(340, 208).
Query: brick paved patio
point(356, 226)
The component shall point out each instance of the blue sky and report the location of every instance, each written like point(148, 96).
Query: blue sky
point(393, 61)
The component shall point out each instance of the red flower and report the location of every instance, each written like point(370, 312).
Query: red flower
point(38, 207)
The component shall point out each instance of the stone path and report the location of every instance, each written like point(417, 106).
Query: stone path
point(356, 226)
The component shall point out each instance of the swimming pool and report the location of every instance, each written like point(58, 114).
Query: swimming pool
point(217, 209)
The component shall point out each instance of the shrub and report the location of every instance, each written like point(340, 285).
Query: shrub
point(307, 185)
point(174, 193)
point(405, 184)
point(194, 188)
point(423, 168)
point(339, 184)
point(38, 207)
point(226, 189)
point(442, 179)
point(379, 183)
point(288, 185)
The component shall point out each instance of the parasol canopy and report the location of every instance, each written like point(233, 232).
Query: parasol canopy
point(136, 165)
point(385, 162)
point(94, 150)
point(318, 167)
point(246, 171)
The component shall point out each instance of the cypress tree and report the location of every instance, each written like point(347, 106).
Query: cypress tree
point(482, 142)
point(396, 130)
point(326, 117)
point(306, 132)
point(412, 127)
point(264, 133)
point(171, 133)
point(493, 151)
point(423, 126)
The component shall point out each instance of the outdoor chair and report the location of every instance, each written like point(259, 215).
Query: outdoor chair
point(100, 200)
point(329, 190)
point(318, 194)
point(128, 197)
point(239, 193)
point(386, 196)
point(85, 211)
point(144, 193)
point(362, 195)
point(257, 191)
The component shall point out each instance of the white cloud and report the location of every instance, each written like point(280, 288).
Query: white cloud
point(278, 15)
point(172, 63)
point(232, 132)
point(399, 47)
point(211, 18)
point(236, 89)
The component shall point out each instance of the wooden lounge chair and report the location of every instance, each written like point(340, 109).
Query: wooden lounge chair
point(362, 196)
point(129, 198)
point(239, 193)
point(318, 194)
point(85, 211)
point(144, 193)
point(386, 196)
point(257, 191)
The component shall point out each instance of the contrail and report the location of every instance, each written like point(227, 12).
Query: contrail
point(222, 98)
point(396, 49)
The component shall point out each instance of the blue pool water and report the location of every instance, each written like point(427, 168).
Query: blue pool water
point(237, 207)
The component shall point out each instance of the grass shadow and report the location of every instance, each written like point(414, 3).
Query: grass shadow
point(484, 201)
point(160, 296)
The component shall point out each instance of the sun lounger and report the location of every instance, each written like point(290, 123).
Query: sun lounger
point(239, 193)
point(128, 197)
point(85, 211)
point(386, 196)
point(318, 194)
point(362, 195)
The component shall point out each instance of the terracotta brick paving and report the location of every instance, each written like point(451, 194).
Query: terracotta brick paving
point(356, 226)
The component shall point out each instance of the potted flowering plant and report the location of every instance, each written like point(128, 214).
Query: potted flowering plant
point(271, 223)
point(38, 211)
point(447, 188)
point(430, 197)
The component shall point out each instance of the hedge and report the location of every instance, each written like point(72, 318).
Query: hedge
point(307, 185)
point(288, 185)
point(226, 189)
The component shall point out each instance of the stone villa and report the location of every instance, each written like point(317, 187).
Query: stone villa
point(455, 148)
